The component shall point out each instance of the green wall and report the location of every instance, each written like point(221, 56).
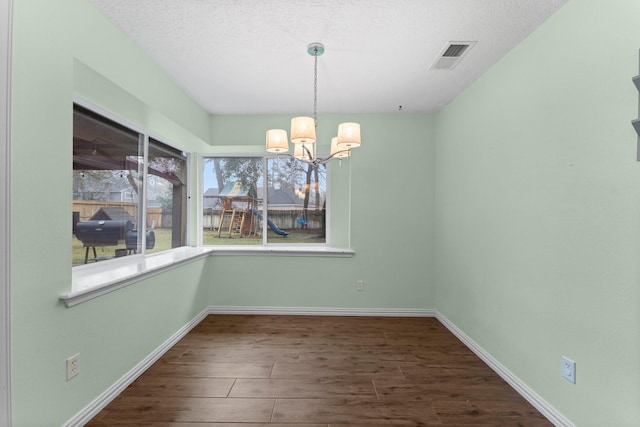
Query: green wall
point(538, 211)
point(64, 49)
point(391, 211)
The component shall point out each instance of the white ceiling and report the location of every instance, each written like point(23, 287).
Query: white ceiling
point(250, 56)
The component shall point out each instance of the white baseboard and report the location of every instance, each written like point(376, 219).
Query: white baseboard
point(99, 403)
point(531, 396)
point(315, 311)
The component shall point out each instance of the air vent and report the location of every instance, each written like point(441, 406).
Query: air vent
point(455, 50)
point(451, 55)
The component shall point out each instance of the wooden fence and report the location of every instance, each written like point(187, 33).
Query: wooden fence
point(284, 219)
point(88, 208)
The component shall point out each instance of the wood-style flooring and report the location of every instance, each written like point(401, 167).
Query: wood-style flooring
point(234, 370)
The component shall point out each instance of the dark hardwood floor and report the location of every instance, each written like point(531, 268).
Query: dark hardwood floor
point(319, 371)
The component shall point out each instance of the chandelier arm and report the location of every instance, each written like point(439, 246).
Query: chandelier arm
point(305, 148)
point(311, 161)
point(331, 157)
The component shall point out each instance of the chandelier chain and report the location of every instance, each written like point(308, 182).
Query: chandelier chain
point(315, 88)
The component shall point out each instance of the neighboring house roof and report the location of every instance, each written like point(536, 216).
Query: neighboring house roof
point(210, 198)
point(119, 184)
point(112, 213)
point(211, 192)
point(283, 196)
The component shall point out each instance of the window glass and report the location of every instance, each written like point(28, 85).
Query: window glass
point(236, 199)
point(107, 177)
point(296, 200)
point(109, 183)
point(166, 197)
point(233, 201)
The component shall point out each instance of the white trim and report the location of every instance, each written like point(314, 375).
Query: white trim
point(6, 9)
point(265, 204)
point(99, 403)
point(328, 240)
point(282, 250)
point(531, 396)
point(349, 219)
point(141, 220)
point(189, 201)
point(319, 311)
point(93, 280)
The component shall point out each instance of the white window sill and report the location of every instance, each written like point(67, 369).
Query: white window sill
point(282, 250)
point(93, 280)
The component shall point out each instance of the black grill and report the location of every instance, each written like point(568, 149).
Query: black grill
point(101, 232)
point(131, 240)
point(94, 233)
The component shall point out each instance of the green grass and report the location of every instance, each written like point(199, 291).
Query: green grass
point(295, 236)
point(163, 242)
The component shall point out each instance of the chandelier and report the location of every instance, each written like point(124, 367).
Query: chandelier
point(303, 129)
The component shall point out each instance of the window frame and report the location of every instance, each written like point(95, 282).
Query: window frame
point(145, 136)
point(265, 246)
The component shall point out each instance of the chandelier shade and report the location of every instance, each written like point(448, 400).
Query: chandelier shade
point(277, 141)
point(303, 130)
point(349, 135)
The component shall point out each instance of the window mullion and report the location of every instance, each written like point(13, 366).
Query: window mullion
point(265, 200)
point(142, 171)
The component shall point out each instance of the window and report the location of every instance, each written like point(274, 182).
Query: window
point(115, 195)
point(240, 192)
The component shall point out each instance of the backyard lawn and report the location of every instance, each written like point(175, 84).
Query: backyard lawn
point(295, 236)
point(163, 242)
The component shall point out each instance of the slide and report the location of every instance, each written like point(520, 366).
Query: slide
point(270, 224)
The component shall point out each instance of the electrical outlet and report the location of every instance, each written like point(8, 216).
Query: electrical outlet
point(73, 366)
point(360, 285)
point(569, 369)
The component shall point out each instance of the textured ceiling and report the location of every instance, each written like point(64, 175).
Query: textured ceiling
point(249, 56)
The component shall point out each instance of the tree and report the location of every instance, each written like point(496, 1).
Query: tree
point(93, 184)
point(247, 170)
